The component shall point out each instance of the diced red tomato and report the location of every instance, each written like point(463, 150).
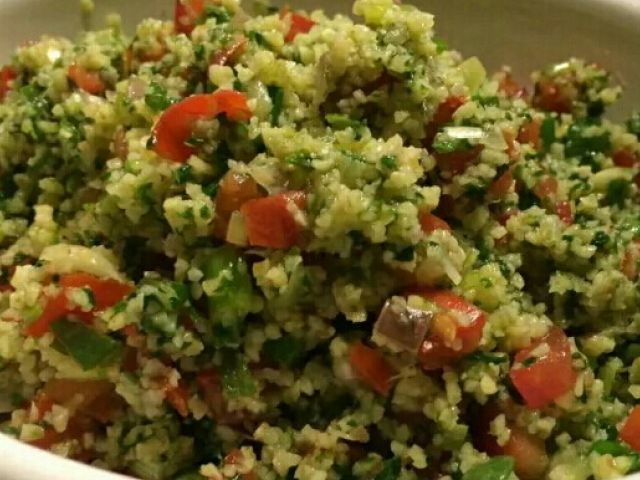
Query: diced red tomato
point(210, 384)
point(186, 15)
point(106, 293)
point(546, 189)
point(510, 87)
point(175, 125)
point(501, 185)
point(86, 80)
point(430, 223)
point(299, 24)
point(625, 158)
point(95, 399)
point(230, 53)
point(270, 222)
point(563, 210)
point(443, 115)
point(552, 96)
point(530, 134)
point(447, 108)
point(457, 162)
point(551, 360)
point(178, 398)
point(371, 367)
point(7, 75)
point(456, 329)
point(630, 432)
point(528, 451)
point(630, 260)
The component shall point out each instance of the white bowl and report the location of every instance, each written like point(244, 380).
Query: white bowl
point(525, 35)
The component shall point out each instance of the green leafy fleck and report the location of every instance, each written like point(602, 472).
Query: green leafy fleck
point(285, 350)
point(548, 132)
point(85, 345)
point(183, 173)
point(300, 158)
point(618, 191)
point(390, 162)
point(221, 14)
point(258, 39)
point(446, 144)
point(157, 98)
point(277, 99)
point(340, 121)
point(233, 298)
point(633, 124)
point(498, 468)
point(236, 377)
point(441, 45)
point(390, 470)
point(600, 239)
point(487, 357)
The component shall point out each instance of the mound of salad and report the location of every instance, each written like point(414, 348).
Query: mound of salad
point(258, 243)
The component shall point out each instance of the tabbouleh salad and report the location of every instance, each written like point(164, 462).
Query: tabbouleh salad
point(281, 245)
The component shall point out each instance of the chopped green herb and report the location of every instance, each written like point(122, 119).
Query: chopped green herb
point(446, 144)
point(258, 39)
point(405, 254)
point(491, 101)
point(236, 377)
point(85, 345)
point(441, 45)
point(487, 357)
point(527, 362)
point(182, 174)
point(277, 99)
point(600, 239)
point(390, 162)
point(633, 124)
point(157, 98)
point(340, 121)
point(548, 132)
point(390, 470)
point(618, 191)
point(285, 350)
point(497, 468)
point(221, 14)
point(301, 158)
point(578, 145)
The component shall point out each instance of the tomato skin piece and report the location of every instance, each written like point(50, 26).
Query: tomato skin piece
point(626, 159)
point(457, 162)
point(630, 431)
point(178, 397)
point(530, 134)
point(501, 185)
point(186, 14)
point(270, 222)
point(7, 75)
point(448, 340)
point(175, 125)
point(563, 210)
point(511, 88)
point(85, 80)
point(442, 115)
point(229, 54)
point(533, 381)
point(106, 292)
point(528, 451)
point(546, 189)
point(299, 24)
point(371, 367)
point(430, 223)
point(551, 96)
